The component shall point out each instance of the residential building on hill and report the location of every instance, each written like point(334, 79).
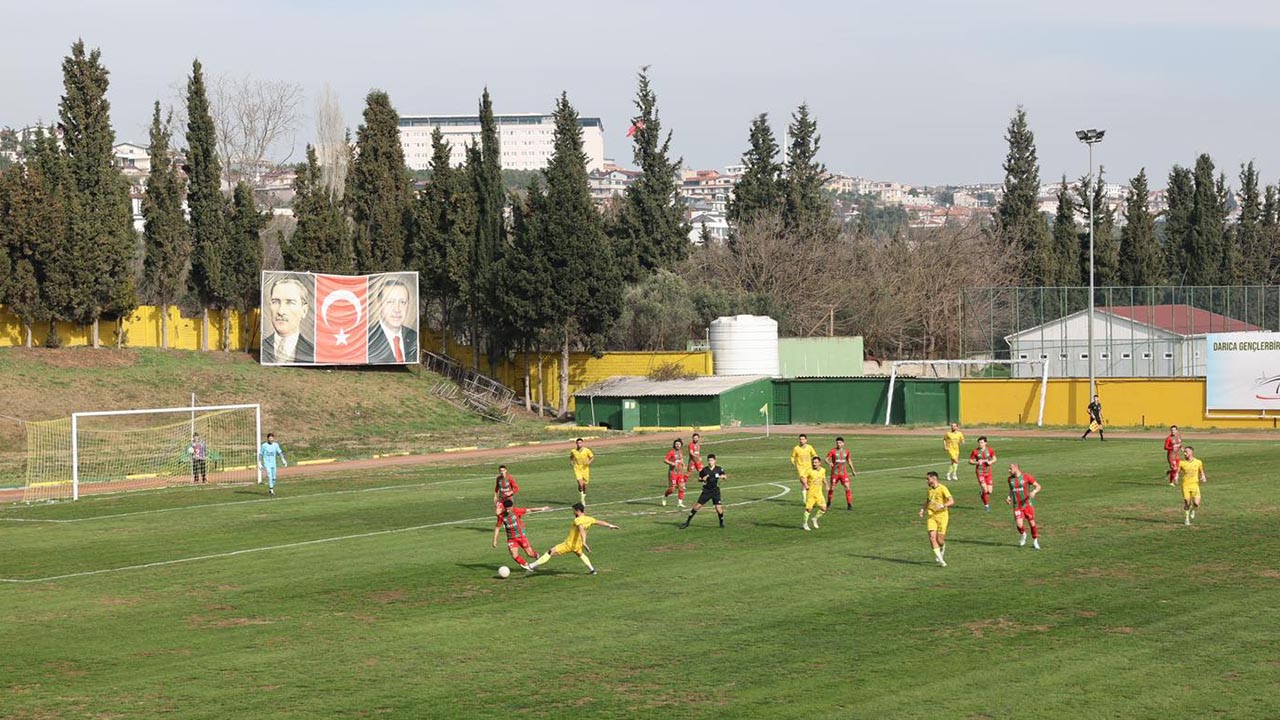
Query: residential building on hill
point(526, 140)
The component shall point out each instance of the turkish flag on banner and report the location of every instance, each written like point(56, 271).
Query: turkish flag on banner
point(342, 319)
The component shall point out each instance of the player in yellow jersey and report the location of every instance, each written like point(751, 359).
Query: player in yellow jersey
point(802, 456)
point(1192, 472)
point(580, 458)
point(936, 502)
point(815, 491)
point(951, 441)
point(576, 543)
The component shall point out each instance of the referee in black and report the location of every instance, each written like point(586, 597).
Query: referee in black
point(710, 477)
point(1095, 420)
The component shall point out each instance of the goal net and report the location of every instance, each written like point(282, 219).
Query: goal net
point(118, 450)
point(969, 369)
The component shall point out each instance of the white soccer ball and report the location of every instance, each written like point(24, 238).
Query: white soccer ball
point(504, 571)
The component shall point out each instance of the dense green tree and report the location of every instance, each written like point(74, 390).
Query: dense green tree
point(322, 240)
point(210, 238)
point(1271, 233)
point(1177, 223)
point(1106, 247)
point(1065, 243)
point(166, 235)
point(759, 191)
point(33, 231)
point(1248, 236)
point(101, 219)
point(806, 207)
point(443, 232)
point(378, 189)
point(585, 298)
point(244, 258)
point(522, 310)
point(484, 168)
point(1204, 241)
point(657, 314)
point(1018, 221)
point(1141, 259)
point(651, 232)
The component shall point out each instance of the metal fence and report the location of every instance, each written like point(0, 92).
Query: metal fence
point(1138, 331)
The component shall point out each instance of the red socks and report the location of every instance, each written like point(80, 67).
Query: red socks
point(520, 561)
point(848, 496)
point(1035, 532)
point(680, 494)
point(986, 497)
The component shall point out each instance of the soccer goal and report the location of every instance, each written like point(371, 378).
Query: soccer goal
point(975, 369)
point(116, 450)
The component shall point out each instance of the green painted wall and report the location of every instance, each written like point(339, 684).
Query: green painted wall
point(931, 402)
point(820, 357)
point(607, 411)
point(843, 400)
point(741, 405)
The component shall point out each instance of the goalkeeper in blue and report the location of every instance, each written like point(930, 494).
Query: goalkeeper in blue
point(267, 455)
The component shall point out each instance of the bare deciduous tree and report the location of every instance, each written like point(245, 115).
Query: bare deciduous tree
point(333, 144)
point(252, 116)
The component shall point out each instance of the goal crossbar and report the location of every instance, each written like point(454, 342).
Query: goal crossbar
point(1044, 378)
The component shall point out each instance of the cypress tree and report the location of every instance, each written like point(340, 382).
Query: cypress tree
point(1203, 244)
point(1248, 236)
point(101, 218)
point(378, 190)
point(522, 308)
point(166, 235)
point(1177, 223)
point(805, 207)
point(33, 228)
point(209, 234)
point(321, 242)
point(586, 296)
point(1018, 220)
point(244, 261)
point(1106, 249)
point(759, 190)
point(651, 232)
point(1141, 260)
point(1271, 233)
point(1066, 242)
point(484, 164)
point(444, 230)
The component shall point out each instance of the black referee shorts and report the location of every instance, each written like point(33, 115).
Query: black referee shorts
point(709, 495)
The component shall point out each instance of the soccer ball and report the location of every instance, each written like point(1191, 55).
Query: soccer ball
point(504, 571)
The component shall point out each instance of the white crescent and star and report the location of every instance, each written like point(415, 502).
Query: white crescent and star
point(340, 338)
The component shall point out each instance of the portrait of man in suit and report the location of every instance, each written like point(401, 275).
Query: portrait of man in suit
point(287, 312)
point(393, 337)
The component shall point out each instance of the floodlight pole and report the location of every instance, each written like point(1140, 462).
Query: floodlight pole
point(1091, 137)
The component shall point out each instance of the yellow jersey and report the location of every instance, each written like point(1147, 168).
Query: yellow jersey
point(816, 477)
point(580, 525)
point(802, 457)
point(951, 441)
point(938, 497)
point(1190, 471)
point(581, 458)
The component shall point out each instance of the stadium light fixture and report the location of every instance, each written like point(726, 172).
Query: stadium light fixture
point(1091, 137)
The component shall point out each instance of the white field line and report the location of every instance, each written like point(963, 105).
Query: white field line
point(487, 518)
point(344, 492)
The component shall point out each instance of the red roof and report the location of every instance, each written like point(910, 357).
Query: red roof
point(1181, 319)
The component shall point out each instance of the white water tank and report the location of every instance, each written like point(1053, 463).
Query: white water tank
point(745, 345)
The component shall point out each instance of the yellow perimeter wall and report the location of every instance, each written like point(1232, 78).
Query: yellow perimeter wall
point(142, 329)
point(1125, 402)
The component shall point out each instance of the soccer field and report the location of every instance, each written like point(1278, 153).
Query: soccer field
point(375, 595)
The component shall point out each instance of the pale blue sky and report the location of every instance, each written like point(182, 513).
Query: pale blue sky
point(918, 92)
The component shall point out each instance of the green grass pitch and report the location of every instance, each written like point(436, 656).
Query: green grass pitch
point(376, 595)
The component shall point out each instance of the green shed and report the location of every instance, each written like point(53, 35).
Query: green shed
point(627, 402)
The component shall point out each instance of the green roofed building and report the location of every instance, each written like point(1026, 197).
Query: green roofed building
point(625, 403)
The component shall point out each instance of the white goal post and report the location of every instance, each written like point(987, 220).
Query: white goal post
point(1043, 374)
point(114, 450)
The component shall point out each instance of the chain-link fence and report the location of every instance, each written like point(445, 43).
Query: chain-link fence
point(1137, 331)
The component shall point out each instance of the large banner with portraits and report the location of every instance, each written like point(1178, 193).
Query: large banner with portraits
point(1242, 371)
point(313, 319)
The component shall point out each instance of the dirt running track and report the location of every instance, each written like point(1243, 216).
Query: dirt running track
point(550, 447)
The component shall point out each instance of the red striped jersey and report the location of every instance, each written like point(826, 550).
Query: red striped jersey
point(506, 487)
point(513, 522)
point(1020, 489)
point(839, 460)
point(984, 458)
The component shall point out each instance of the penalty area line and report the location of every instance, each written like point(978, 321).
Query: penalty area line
point(356, 536)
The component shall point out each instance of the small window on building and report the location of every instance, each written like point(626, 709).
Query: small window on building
point(1126, 356)
point(1168, 356)
point(1022, 356)
point(1084, 356)
point(1043, 356)
point(1106, 356)
point(1062, 356)
point(1146, 356)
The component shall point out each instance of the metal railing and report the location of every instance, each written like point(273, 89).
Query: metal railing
point(469, 389)
point(1138, 331)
